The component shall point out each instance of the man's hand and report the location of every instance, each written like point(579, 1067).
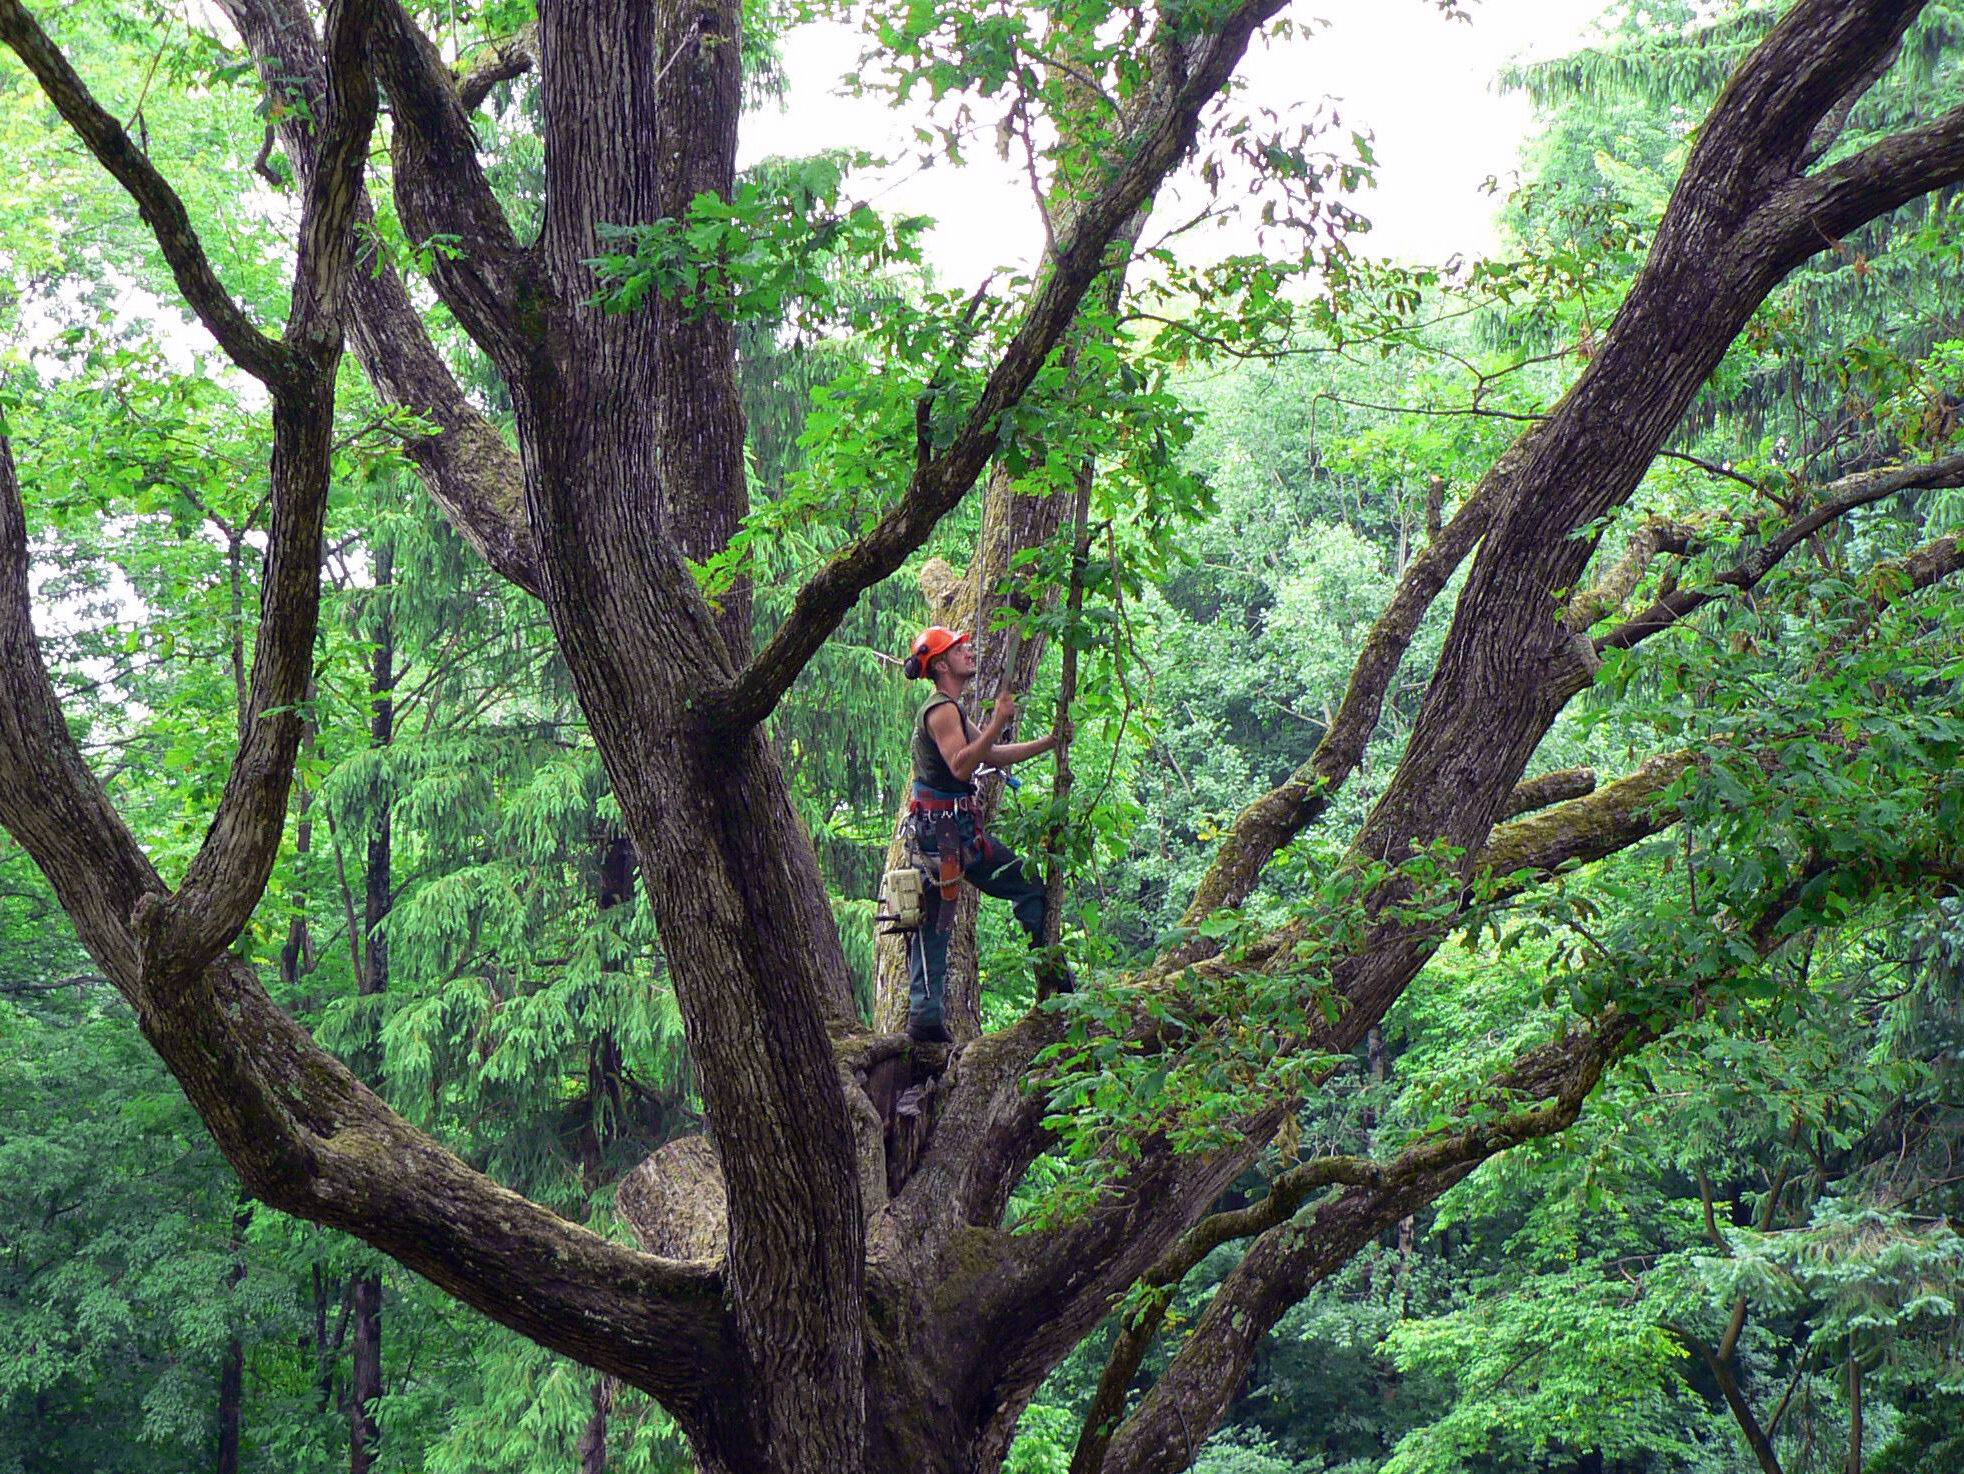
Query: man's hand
point(1005, 712)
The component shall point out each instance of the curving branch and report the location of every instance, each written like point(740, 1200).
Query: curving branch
point(1279, 815)
point(477, 265)
point(304, 1135)
point(1837, 500)
point(1816, 210)
point(467, 466)
point(239, 338)
point(1289, 1257)
point(504, 60)
point(1152, 148)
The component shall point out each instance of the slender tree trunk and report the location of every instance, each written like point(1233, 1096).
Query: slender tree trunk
point(1854, 1415)
point(231, 1370)
point(367, 1386)
point(231, 1399)
point(593, 1441)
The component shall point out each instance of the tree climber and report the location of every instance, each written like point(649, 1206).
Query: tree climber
point(946, 820)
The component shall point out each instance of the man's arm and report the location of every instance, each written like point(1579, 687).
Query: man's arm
point(1005, 753)
point(963, 757)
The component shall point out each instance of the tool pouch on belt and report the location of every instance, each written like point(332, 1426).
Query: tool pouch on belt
point(900, 906)
point(948, 842)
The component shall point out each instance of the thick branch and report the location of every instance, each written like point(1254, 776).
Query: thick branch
point(1275, 818)
point(1819, 209)
point(1550, 788)
point(1586, 829)
point(1152, 149)
point(467, 466)
point(440, 188)
point(302, 1133)
point(161, 209)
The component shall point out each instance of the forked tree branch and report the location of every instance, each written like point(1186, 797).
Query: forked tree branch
point(240, 339)
point(468, 468)
point(1189, 77)
point(303, 1134)
point(182, 933)
point(1563, 1073)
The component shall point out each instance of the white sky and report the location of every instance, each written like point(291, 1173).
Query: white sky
point(1423, 85)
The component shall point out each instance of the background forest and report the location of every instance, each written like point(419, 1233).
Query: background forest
point(1745, 1255)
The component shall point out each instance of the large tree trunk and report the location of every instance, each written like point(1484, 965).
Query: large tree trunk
point(832, 1321)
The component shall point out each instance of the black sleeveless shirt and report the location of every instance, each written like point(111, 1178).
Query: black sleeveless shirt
point(930, 767)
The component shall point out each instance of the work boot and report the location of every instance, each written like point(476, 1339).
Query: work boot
point(1053, 974)
point(924, 1032)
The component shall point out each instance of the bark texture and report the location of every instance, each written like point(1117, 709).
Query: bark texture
point(811, 1299)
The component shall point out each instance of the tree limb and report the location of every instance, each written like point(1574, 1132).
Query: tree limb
point(1289, 1258)
point(241, 341)
point(181, 934)
point(1550, 788)
point(1275, 818)
point(501, 61)
point(476, 263)
point(1153, 147)
point(304, 1135)
point(1838, 499)
point(466, 465)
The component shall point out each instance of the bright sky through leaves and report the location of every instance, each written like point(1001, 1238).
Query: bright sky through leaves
point(1421, 84)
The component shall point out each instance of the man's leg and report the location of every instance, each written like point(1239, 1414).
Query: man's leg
point(998, 871)
point(927, 969)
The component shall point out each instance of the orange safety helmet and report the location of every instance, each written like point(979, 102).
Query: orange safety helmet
point(935, 640)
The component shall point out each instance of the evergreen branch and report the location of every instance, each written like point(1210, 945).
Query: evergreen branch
point(242, 342)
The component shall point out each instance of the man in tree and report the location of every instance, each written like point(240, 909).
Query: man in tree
point(865, 1314)
point(947, 819)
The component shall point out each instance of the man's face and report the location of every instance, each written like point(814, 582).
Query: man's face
point(959, 661)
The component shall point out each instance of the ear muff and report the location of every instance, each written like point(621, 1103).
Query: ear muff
point(912, 667)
